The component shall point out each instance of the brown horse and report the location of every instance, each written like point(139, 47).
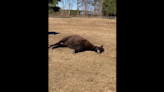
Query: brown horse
point(77, 43)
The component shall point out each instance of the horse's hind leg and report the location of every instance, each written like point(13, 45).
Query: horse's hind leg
point(53, 45)
point(59, 45)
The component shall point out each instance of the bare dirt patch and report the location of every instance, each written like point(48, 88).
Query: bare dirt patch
point(86, 71)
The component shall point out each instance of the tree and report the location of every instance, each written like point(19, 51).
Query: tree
point(52, 5)
point(97, 6)
point(100, 2)
point(63, 6)
point(70, 5)
point(94, 4)
point(85, 5)
point(109, 7)
point(78, 6)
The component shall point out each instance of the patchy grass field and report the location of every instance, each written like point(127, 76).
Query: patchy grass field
point(86, 71)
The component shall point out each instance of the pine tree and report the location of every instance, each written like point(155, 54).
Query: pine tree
point(52, 5)
point(109, 7)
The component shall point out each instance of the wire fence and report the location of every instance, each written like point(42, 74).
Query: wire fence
point(84, 16)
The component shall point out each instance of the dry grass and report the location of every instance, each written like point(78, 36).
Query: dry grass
point(86, 71)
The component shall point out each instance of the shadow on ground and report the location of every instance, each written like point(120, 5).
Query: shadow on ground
point(53, 33)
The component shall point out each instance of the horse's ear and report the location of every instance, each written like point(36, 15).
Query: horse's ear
point(101, 45)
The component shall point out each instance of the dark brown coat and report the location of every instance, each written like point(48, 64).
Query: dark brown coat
point(77, 43)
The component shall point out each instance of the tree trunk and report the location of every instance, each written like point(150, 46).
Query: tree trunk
point(82, 10)
point(69, 9)
point(77, 10)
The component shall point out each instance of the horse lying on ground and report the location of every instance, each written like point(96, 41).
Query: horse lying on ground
point(79, 44)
